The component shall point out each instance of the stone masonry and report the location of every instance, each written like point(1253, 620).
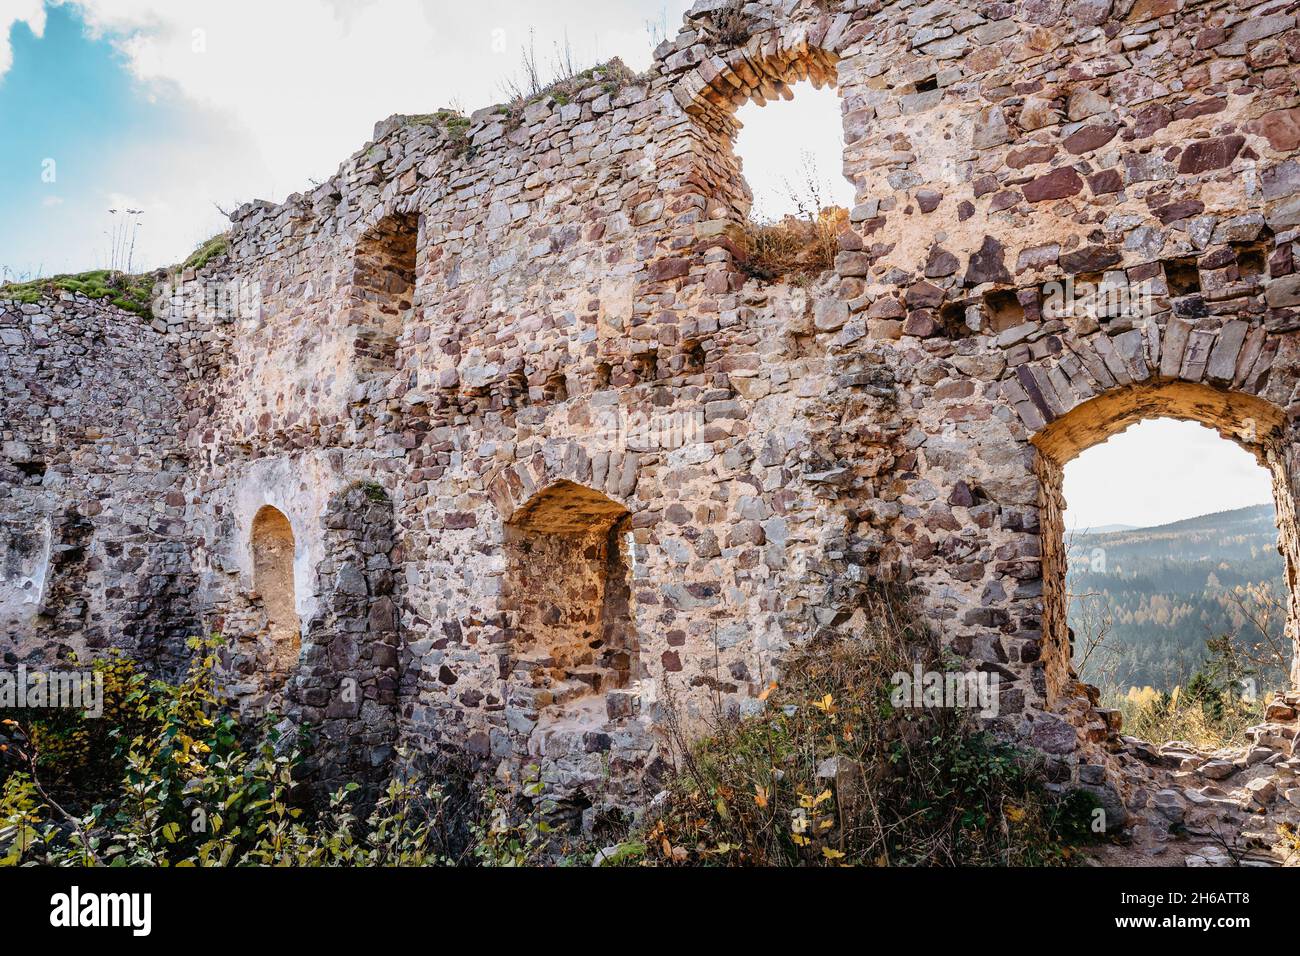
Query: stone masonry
point(554, 462)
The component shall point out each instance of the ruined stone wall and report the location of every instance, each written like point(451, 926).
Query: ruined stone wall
point(94, 546)
point(477, 311)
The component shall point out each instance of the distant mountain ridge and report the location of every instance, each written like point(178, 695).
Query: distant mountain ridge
point(1166, 589)
point(1217, 519)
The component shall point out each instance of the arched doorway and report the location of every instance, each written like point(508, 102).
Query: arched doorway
point(273, 579)
point(568, 596)
point(1251, 422)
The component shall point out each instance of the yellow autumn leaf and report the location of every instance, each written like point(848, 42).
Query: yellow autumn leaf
point(799, 840)
point(767, 691)
point(832, 854)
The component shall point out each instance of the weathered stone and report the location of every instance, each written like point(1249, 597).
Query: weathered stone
point(1205, 155)
point(1058, 184)
point(987, 264)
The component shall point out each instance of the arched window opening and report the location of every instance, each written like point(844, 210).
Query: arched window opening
point(568, 591)
point(796, 199)
point(273, 578)
point(383, 292)
point(792, 154)
point(1169, 549)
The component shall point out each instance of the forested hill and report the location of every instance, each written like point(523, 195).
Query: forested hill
point(1165, 591)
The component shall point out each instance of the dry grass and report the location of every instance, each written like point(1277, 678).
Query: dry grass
point(797, 248)
point(1158, 717)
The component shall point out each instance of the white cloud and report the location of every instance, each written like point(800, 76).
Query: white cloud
point(1160, 471)
point(308, 80)
point(30, 12)
point(282, 93)
point(279, 94)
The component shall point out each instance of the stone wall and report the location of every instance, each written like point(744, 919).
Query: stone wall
point(474, 312)
point(94, 543)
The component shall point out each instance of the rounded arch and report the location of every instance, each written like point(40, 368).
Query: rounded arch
point(568, 600)
point(1257, 425)
point(273, 545)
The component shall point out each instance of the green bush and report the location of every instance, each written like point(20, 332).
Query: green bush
point(168, 777)
point(833, 774)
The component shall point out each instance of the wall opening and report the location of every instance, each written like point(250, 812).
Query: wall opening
point(568, 594)
point(783, 209)
point(792, 200)
point(1125, 607)
point(383, 292)
point(273, 579)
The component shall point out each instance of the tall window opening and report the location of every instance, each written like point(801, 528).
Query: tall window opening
point(383, 291)
point(273, 578)
point(568, 590)
point(791, 154)
point(1165, 575)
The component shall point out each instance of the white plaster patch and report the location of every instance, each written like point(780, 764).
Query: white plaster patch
point(24, 567)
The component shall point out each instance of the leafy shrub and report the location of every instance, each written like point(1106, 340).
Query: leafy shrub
point(832, 773)
point(174, 780)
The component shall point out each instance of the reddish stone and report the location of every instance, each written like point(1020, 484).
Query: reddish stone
point(1179, 210)
point(1057, 184)
point(1280, 127)
point(923, 295)
point(1152, 9)
point(1151, 119)
point(988, 265)
point(1031, 155)
point(1004, 200)
point(922, 323)
point(666, 269)
point(928, 200)
point(1207, 154)
point(1106, 181)
point(1201, 108)
point(1087, 138)
point(1089, 259)
point(941, 263)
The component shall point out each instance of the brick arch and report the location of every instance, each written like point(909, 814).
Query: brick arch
point(1256, 424)
point(763, 69)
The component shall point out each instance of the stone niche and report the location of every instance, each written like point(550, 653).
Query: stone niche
point(573, 642)
point(273, 552)
point(383, 292)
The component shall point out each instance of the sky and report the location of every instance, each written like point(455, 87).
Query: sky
point(1158, 471)
point(181, 108)
point(178, 107)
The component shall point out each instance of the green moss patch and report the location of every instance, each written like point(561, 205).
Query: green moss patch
point(127, 292)
point(207, 251)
